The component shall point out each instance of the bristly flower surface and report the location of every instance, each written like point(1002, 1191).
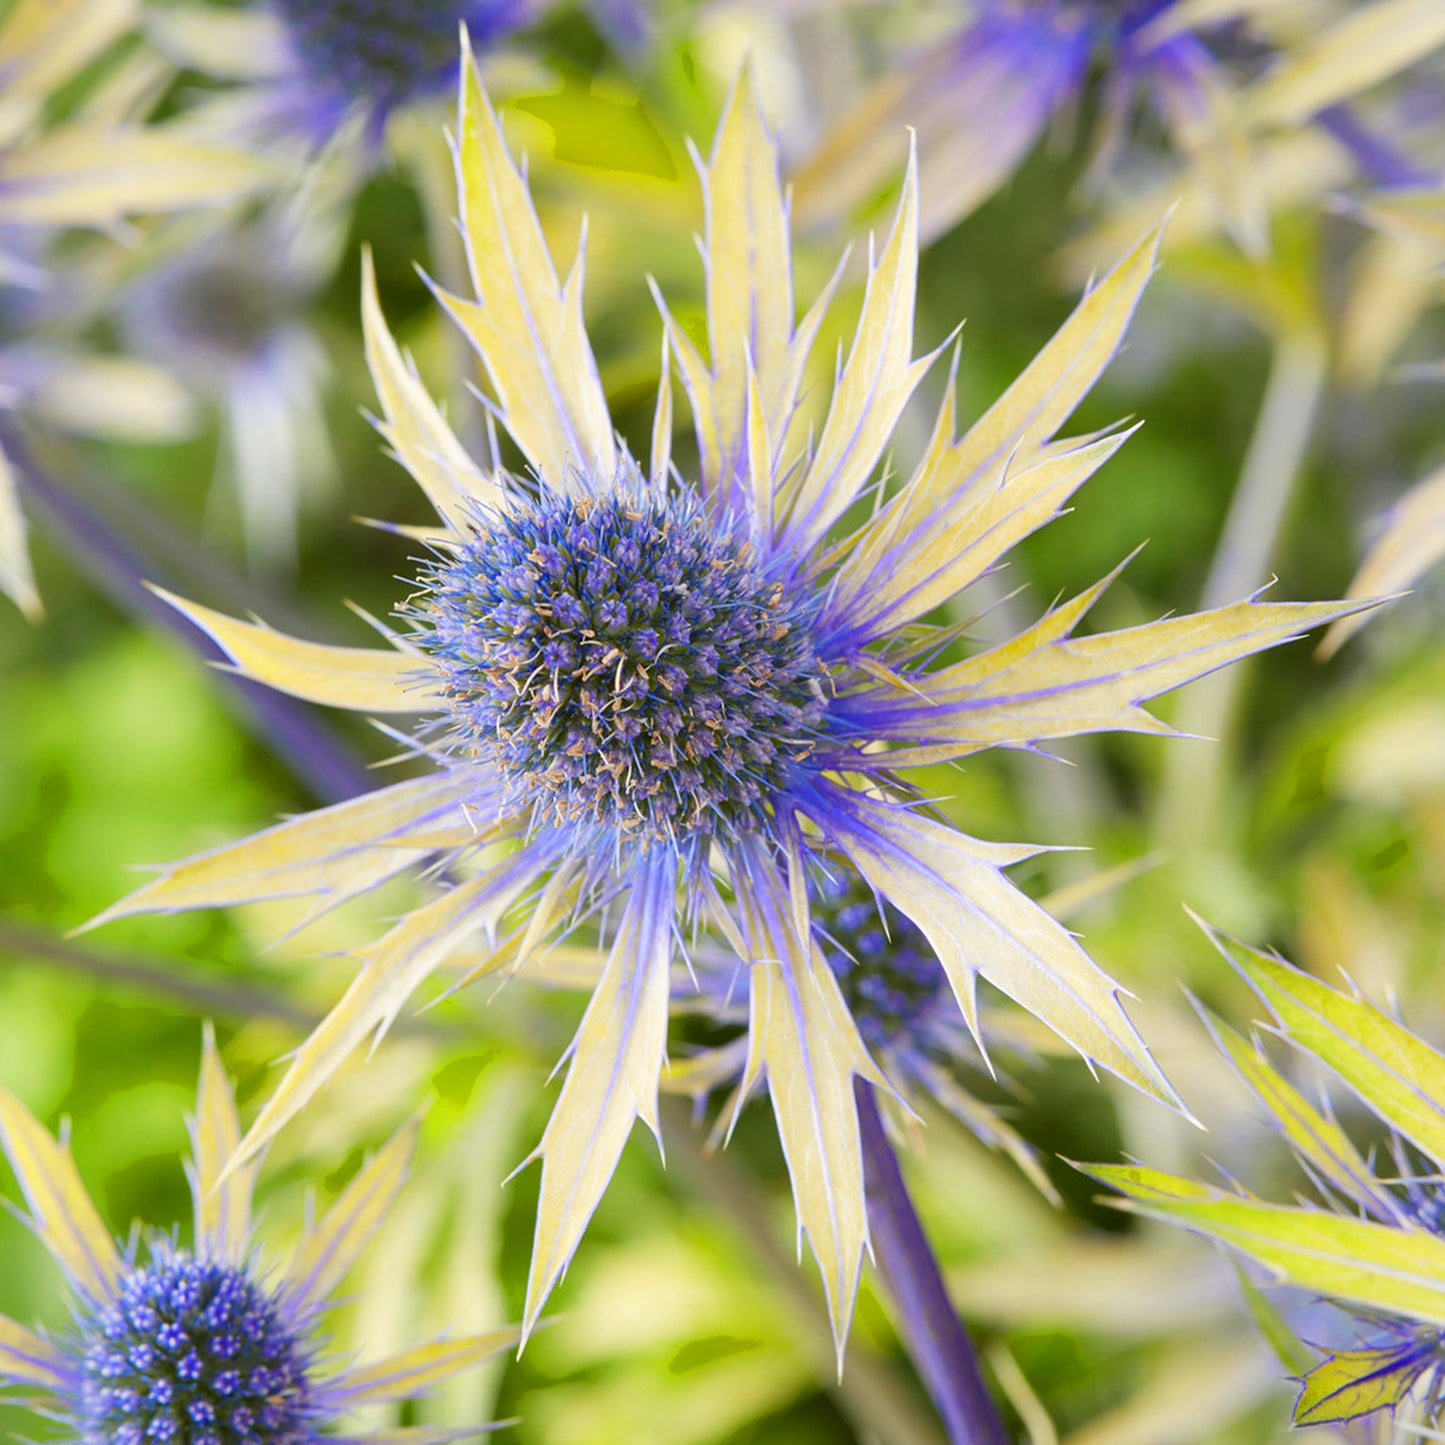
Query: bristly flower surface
point(1374, 1244)
point(208, 1345)
point(652, 698)
point(371, 56)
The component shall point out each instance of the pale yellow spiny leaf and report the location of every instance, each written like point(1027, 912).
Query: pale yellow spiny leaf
point(333, 851)
point(1412, 542)
point(749, 274)
point(60, 1209)
point(874, 386)
point(616, 1063)
point(1401, 1271)
point(1053, 384)
point(392, 969)
point(963, 542)
point(364, 679)
point(17, 580)
point(414, 425)
point(1394, 1071)
point(417, 1371)
point(1313, 1135)
point(527, 329)
point(329, 1249)
point(952, 886)
point(1367, 44)
point(85, 174)
point(27, 1359)
point(802, 1037)
point(1062, 685)
point(45, 42)
point(222, 1200)
point(1006, 440)
point(660, 461)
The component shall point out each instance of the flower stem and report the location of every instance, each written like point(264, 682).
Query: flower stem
point(1194, 775)
point(934, 1334)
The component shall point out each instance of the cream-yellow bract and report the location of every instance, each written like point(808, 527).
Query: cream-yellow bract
point(531, 848)
point(76, 1370)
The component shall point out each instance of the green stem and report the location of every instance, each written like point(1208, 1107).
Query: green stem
point(1193, 776)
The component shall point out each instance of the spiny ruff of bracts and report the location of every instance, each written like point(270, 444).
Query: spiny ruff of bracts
point(633, 670)
point(891, 979)
point(194, 1353)
point(382, 53)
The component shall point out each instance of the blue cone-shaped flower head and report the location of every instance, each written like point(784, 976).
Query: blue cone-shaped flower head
point(207, 1344)
point(1374, 1242)
point(372, 56)
point(652, 697)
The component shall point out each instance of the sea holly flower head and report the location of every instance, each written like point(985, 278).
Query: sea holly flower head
point(207, 1344)
point(373, 56)
point(1373, 1241)
point(656, 698)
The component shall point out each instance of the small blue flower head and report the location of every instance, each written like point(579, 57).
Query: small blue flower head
point(631, 669)
point(205, 1346)
point(376, 55)
point(890, 977)
point(197, 1353)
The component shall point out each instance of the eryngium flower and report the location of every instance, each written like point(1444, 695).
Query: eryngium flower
point(982, 98)
point(652, 695)
point(208, 1345)
point(1373, 1243)
point(371, 56)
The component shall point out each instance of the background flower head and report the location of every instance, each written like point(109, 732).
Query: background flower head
point(208, 1344)
point(654, 698)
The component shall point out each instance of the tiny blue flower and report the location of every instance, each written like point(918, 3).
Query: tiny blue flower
point(205, 1345)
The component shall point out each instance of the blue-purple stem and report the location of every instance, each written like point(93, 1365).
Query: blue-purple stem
point(311, 751)
point(1382, 163)
point(931, 1329)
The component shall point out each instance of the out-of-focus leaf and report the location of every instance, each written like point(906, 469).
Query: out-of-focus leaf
point(91, 175)
point(1366, 45)
point(17, 579)
point(1412, 542)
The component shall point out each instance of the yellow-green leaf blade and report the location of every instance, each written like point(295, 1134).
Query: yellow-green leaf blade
point(1413, 541)
point(60, 1209)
